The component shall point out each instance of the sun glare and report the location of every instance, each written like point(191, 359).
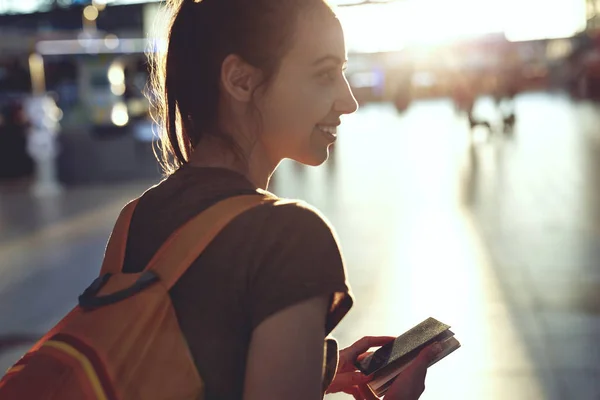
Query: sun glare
point(397, 24)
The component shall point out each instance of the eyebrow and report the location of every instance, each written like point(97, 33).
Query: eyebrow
point(330, 57)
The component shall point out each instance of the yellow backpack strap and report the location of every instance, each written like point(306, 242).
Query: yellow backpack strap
point(115, 250)
point(185, 245)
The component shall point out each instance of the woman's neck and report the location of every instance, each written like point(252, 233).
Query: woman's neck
point(253, 164)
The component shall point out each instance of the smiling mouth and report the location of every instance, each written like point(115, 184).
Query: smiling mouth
point(329, 130)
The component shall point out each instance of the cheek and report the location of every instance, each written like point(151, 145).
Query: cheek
point(309, 105)
point(294, 110)
point(290, 113)
point(319, 101)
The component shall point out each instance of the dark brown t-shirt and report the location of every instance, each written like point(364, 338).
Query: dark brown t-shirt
point(265, 260)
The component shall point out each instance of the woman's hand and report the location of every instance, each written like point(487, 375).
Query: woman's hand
point(410, 384)
point(347, 378)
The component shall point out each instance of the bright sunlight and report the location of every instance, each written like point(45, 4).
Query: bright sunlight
point(397, 24)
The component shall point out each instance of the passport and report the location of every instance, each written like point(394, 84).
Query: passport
point(388, 361)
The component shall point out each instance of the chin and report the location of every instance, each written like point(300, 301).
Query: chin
point(318, 155)
point(314, 158)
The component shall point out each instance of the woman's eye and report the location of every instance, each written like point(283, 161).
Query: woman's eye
point(330, 75)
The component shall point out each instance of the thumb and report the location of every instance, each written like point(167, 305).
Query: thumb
point(365, 344)
point(431, 352)
point(425, 357)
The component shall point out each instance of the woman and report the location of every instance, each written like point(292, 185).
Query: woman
point(242, 86)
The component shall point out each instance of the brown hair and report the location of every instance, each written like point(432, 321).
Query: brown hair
point(186, 77)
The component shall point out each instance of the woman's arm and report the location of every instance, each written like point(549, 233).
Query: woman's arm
point(285, 356)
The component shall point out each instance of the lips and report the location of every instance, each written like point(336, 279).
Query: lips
point(330, 130)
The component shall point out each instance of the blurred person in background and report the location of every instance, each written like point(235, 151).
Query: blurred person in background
point(15, 162)
point(242, 86)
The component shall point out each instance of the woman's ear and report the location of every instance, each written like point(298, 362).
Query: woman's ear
point(239, 78)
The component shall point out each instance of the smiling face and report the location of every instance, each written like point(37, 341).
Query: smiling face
point(303, 104)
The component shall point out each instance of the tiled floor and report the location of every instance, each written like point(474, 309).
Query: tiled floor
point(498, 237)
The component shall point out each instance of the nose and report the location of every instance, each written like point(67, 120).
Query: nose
point(345, 102)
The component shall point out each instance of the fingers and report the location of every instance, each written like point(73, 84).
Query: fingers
point(367, 393)
point(420, 364)
point(364, 355)
point(426, 356)
point(346, 380)
point(367, 342)
point(430, 352)
point(356, 378)
point(410, 384)
point(416, 373)
point(362, 393)
point(356, 393)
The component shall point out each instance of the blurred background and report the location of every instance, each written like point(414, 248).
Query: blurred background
point(466, 188)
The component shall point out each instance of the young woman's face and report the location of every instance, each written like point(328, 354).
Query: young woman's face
point(302, 106)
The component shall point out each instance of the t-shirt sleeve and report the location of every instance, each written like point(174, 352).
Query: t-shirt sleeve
point(297, 258)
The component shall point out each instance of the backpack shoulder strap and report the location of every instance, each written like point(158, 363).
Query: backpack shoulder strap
point(187, 243)
point(115, 250)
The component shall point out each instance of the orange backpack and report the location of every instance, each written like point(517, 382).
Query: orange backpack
point(123, 340)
